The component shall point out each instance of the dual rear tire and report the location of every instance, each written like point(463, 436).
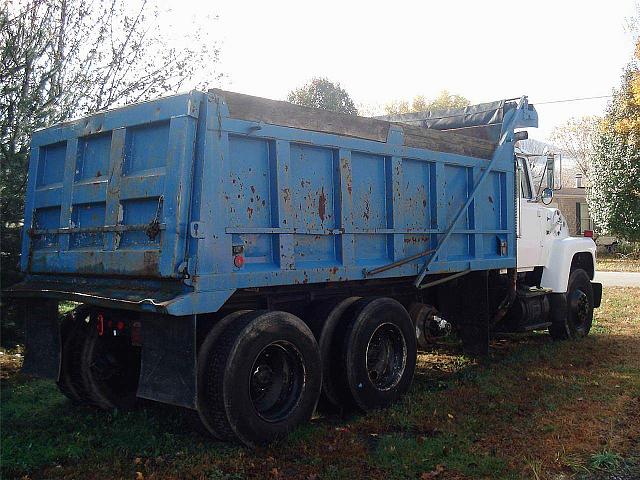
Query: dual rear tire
point(368, 349)
point(259, 377)
point(261, 374)
point(97, 368)
point(376, 348)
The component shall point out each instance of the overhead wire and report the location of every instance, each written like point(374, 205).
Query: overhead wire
point(573, 99)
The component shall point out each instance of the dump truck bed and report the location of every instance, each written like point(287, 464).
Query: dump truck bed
point(178, 189)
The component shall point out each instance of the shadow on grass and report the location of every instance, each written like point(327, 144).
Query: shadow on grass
point(41, 428)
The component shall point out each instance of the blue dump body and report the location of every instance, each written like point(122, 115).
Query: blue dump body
point(173, 205)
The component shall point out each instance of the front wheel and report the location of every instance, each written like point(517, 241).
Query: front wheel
point(572, 312)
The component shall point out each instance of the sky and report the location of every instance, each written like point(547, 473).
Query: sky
point(381, 51)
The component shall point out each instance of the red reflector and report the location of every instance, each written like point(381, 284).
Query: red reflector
point(100, 324)
point(238, 261)
point(120, 325)
point(588, 233)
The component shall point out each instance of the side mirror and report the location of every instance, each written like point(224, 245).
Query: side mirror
point(551, 172)
point(547, 195)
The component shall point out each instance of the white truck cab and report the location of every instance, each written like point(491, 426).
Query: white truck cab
point(548, 258)
point(543, 236)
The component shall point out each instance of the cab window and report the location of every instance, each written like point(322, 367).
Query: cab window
point(525, 186)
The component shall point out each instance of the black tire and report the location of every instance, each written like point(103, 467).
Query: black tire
point(207, 350)
point(110, 369)
point(572, 312)
point(378, 353)
point(324, 319)
point(73, 330)
point(262, 379)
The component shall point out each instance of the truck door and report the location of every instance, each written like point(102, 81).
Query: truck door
point(529, 220)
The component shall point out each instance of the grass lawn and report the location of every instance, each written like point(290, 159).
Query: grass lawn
point(533, 409)
point(615, 263)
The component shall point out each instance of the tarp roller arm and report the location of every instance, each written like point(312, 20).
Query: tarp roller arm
point(507, 136)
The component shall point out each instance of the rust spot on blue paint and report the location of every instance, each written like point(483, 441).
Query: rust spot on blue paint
point(367, 210)
point(322, 204)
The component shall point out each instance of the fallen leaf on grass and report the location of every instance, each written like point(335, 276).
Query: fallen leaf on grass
point(433, 473)
point(139, 476)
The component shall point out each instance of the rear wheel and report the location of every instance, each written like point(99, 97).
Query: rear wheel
point(73, 331)
point(572, 312)
point(324, 321)
point(379, 352)
point(110, 365)
point(262, 379)
point(206, 353)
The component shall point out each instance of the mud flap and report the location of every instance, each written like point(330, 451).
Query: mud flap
point(469, 312)
point(42, 338)
point(597, 294)
point(168, 369)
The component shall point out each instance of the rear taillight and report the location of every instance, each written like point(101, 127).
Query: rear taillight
point(588, 233)
point(100, 324)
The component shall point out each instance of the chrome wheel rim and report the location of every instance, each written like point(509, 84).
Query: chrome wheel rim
point(386, 356)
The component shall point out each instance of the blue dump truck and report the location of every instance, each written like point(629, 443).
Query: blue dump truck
point(250, 259)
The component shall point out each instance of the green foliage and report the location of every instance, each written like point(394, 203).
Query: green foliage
point(323, 93)
point(606, 460)
point(614, 198)
point(443, 101)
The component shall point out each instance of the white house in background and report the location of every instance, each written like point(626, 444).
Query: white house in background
point(571, 199)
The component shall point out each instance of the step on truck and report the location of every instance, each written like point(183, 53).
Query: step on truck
point(250, 259)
